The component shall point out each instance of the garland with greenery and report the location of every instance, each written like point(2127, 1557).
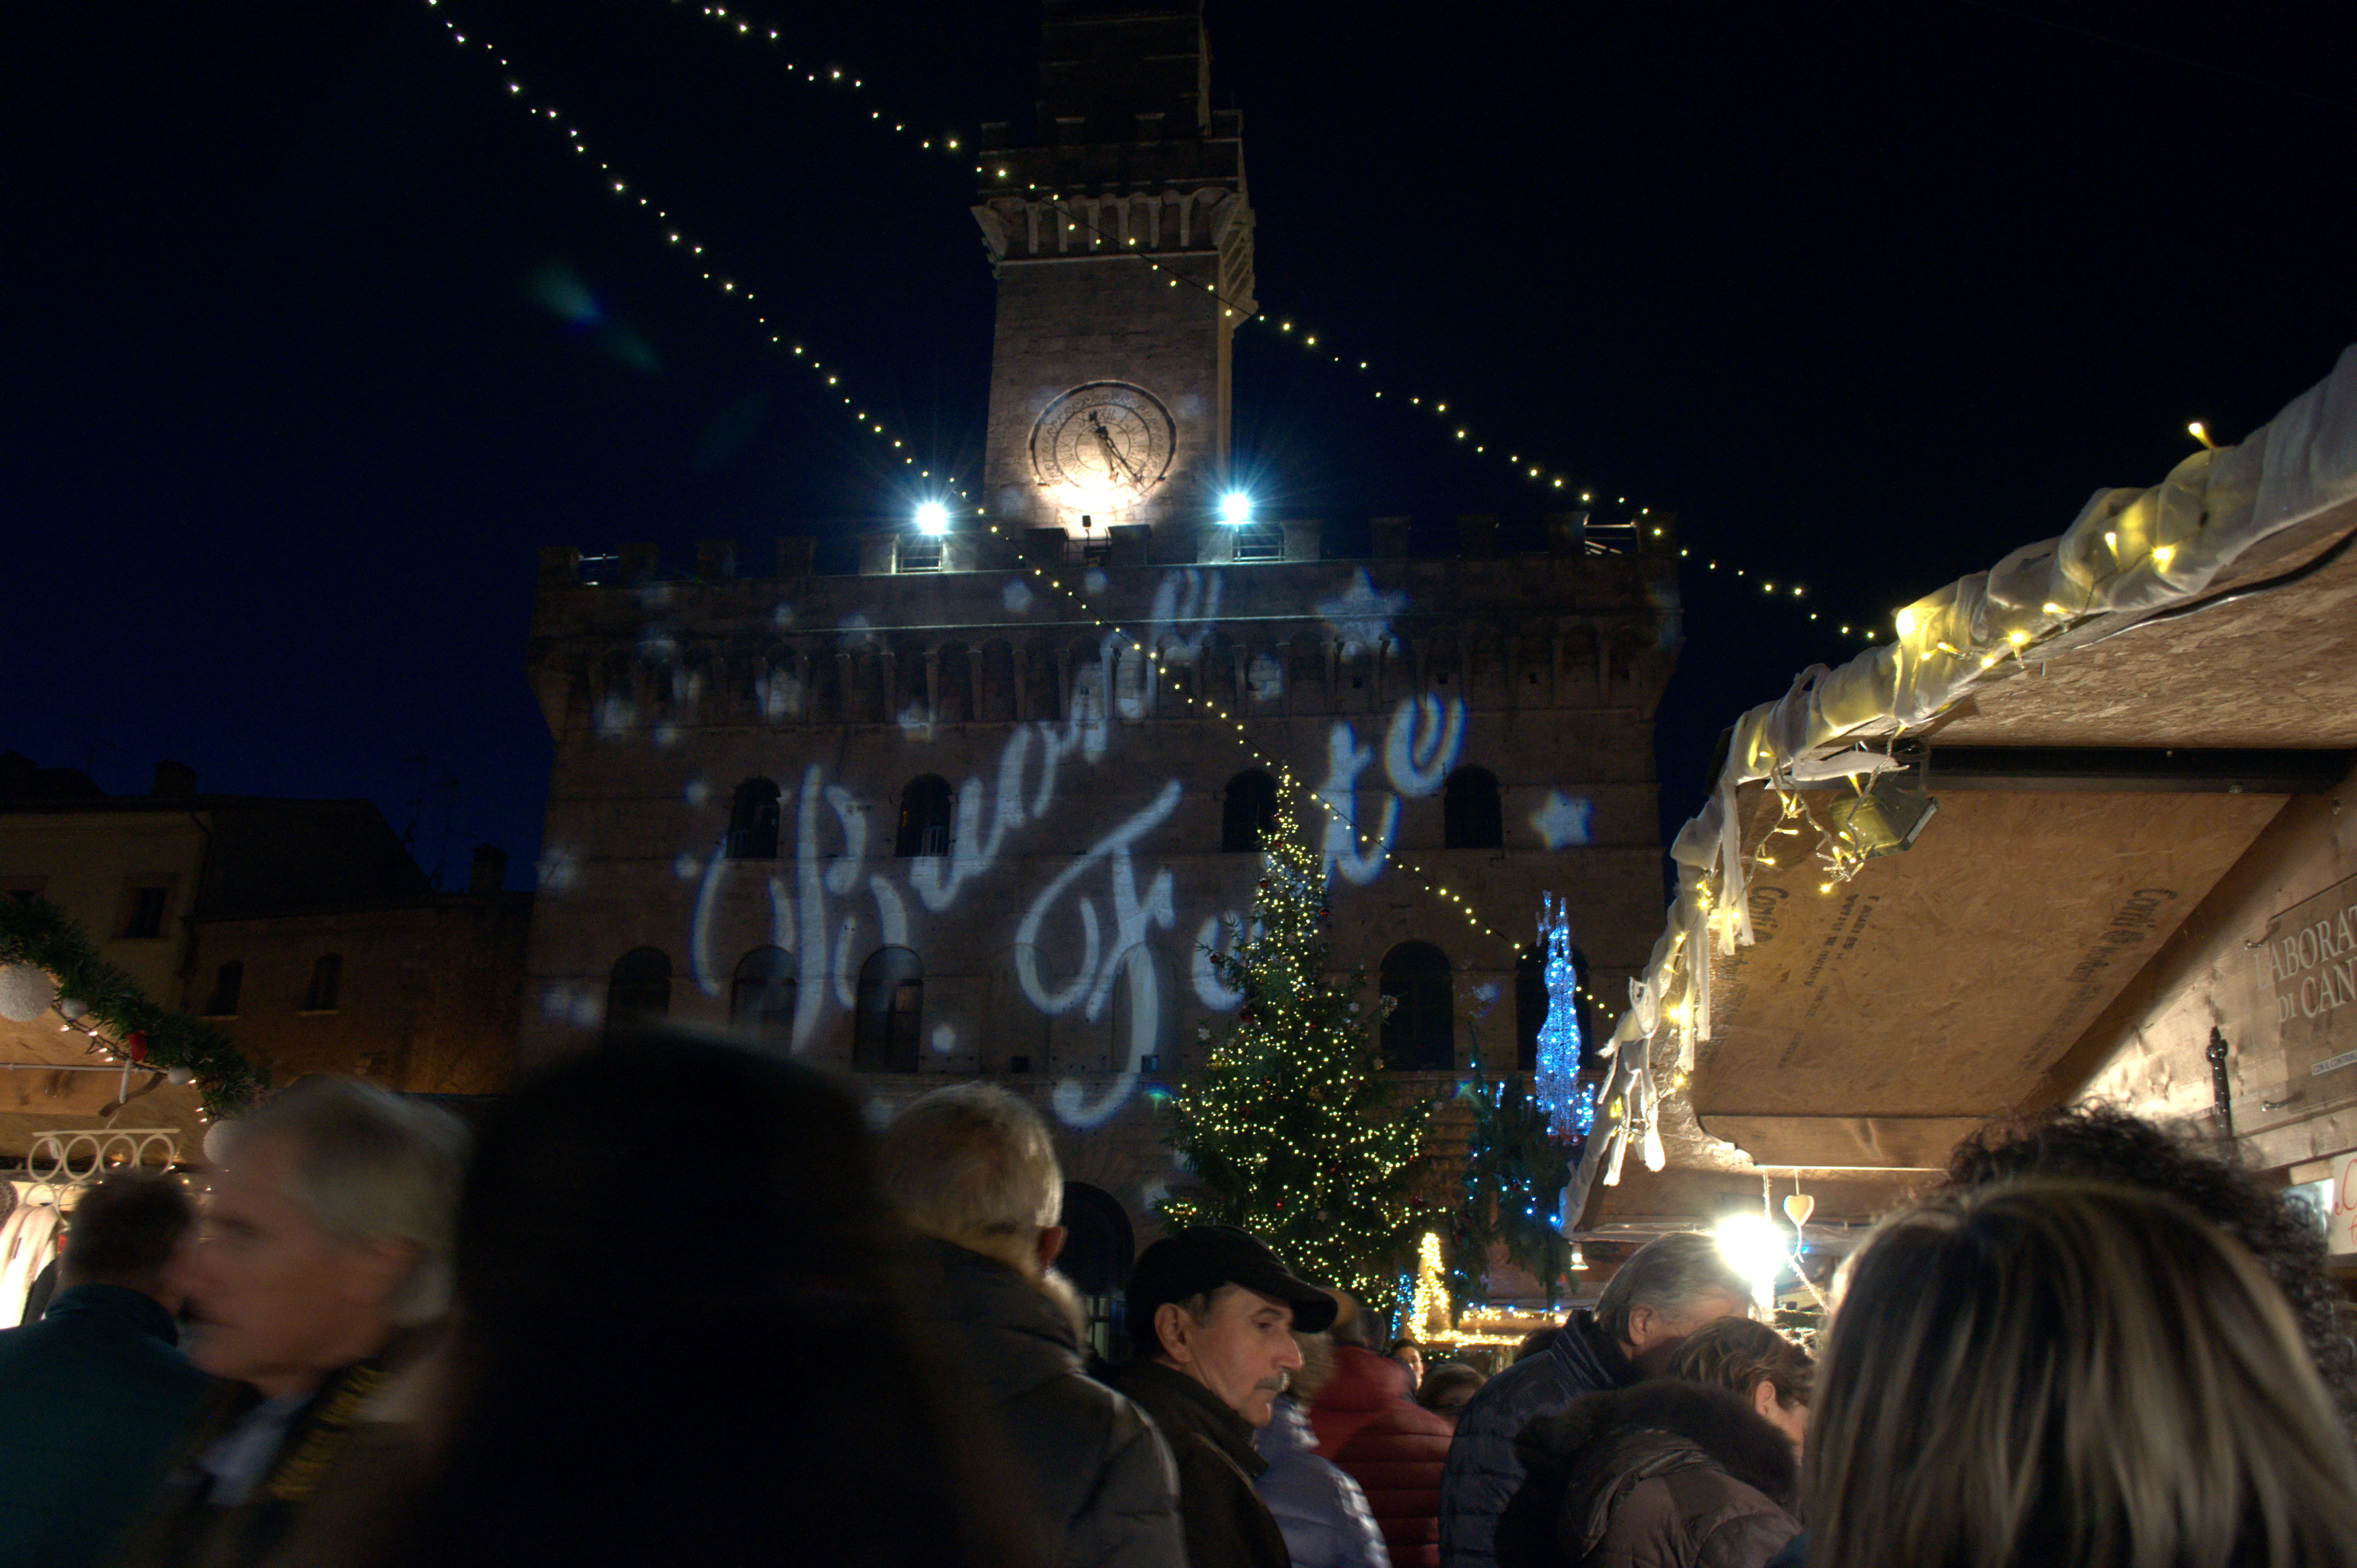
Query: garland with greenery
point(1290, 1127)
point(1514, 1172)
point(36, 932)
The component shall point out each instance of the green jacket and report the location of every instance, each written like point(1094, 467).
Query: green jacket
point(94, 1399)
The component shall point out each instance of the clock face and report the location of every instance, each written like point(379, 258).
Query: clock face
point(1107, 439)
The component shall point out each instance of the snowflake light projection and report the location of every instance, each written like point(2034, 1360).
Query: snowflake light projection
point(1570, 1110)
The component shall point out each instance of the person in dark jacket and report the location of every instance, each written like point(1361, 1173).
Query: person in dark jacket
point(1669, 1474)
point(1666, 1290)
point(1212, 1314)
point(95, 1396)
point(973, 1171)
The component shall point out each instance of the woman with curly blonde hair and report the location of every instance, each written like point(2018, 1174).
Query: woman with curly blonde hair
point(2070, 1373)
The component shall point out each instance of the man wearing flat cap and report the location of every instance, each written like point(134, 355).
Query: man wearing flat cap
point(1212, 1314)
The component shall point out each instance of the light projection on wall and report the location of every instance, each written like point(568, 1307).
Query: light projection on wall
point(1089, 945)
point(1565, 821)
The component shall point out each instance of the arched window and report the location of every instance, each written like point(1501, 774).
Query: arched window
point(1421, 1033)
point(1099, 1247)
point(637, 988)
point(228, 980)
point(1531, 1004)
point(762, 995)
point(891, 1010)
point(1471, 817)
point(753, 822)
point(925, 817)
point(326, 980)
point(1248, 813)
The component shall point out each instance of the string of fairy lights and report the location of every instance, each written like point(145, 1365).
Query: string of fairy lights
point(1040, 574)
point(738, 24)
point(708, 271)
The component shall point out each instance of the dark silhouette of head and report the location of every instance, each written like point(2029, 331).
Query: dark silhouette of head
point(679, 1333)
point(2102, 1143)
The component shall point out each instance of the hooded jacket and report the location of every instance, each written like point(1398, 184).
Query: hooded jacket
point(1320, 1509)
point(1102, 1482)
point(1669, 1474)
point(1398, 1459)
point(1485, 1470)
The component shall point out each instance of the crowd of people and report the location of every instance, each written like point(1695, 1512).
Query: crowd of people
point(2096, 1344)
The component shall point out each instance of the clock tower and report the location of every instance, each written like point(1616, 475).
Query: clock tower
point(1122, 245)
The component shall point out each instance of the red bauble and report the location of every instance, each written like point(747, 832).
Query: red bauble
point(134, 1045)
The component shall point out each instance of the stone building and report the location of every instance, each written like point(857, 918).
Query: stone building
point(981, 806)
point(304, 927)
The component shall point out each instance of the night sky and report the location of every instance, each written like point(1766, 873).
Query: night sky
point(313, 337)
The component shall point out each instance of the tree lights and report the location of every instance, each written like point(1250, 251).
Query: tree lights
point(1290, 1126)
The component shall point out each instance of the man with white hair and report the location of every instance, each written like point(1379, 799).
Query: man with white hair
point(1668, 1288)
point(323, 1255)
point(972, 1171)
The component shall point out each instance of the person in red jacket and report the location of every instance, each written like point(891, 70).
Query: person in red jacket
point(1395, 1448)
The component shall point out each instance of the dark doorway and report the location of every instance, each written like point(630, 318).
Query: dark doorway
point(891, 1011)
point(925, 817)
point(1471, 817)
point(637, 988)
point(761, 996)
point(753, 822)
point(1248, 813)
point(1096, 1258)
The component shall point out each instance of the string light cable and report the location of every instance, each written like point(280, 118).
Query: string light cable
point(708, 271)
point(738, 24)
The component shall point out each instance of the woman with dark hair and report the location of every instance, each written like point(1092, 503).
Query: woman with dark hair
point(677, 1339)
point(2101, 1143)
point(1696, 1469)
point(2068, 1373)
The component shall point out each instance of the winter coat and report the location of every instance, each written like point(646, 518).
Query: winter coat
point(1225, 1523)
point(1361, 1387)
point(1103, 1486)
point(1398, 1459)
point(1669, 1474)
point(94, 1399)
point(1320, 1510)
point(1485, 1470)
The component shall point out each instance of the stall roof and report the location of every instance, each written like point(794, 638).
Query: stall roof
point(2105, 722)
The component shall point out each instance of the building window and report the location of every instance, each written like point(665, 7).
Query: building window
point(327, 977)
point(637, 988)
point(143, 907)
point(762, 995)
point(925, 817)
point(753, 822)
point(228, 980)
point(891, 1009)
point(1471, 817)
point(918, 553)
point(1420, 1034)
point(1249, 812)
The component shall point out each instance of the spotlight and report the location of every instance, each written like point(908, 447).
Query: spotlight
point(1235, 507)
point(1756, 1246)
point(933, 517)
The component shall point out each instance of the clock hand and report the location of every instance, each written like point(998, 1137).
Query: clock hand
point(1113, 453)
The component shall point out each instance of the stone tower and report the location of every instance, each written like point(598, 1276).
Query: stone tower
point(1122, 249)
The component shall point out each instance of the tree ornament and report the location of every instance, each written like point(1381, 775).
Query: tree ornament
point(26, 992)
point(72, 1009)
point(134, 1044)
point(1798, 1207)
point(180, 1075)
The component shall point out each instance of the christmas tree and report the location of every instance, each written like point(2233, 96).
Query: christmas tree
point(1514, 1172)
point(1290, 1128)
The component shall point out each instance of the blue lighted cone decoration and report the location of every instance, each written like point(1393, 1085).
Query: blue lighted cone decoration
point(1570, 1110)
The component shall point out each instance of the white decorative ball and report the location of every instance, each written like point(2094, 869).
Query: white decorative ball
point(217, 1137)
point(181, 1075)
point(72, 1009)
point(26, 992)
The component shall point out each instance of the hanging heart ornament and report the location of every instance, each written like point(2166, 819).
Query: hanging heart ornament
point(1798, 1207)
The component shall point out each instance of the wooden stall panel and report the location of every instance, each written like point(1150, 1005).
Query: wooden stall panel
point(1942, 981)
